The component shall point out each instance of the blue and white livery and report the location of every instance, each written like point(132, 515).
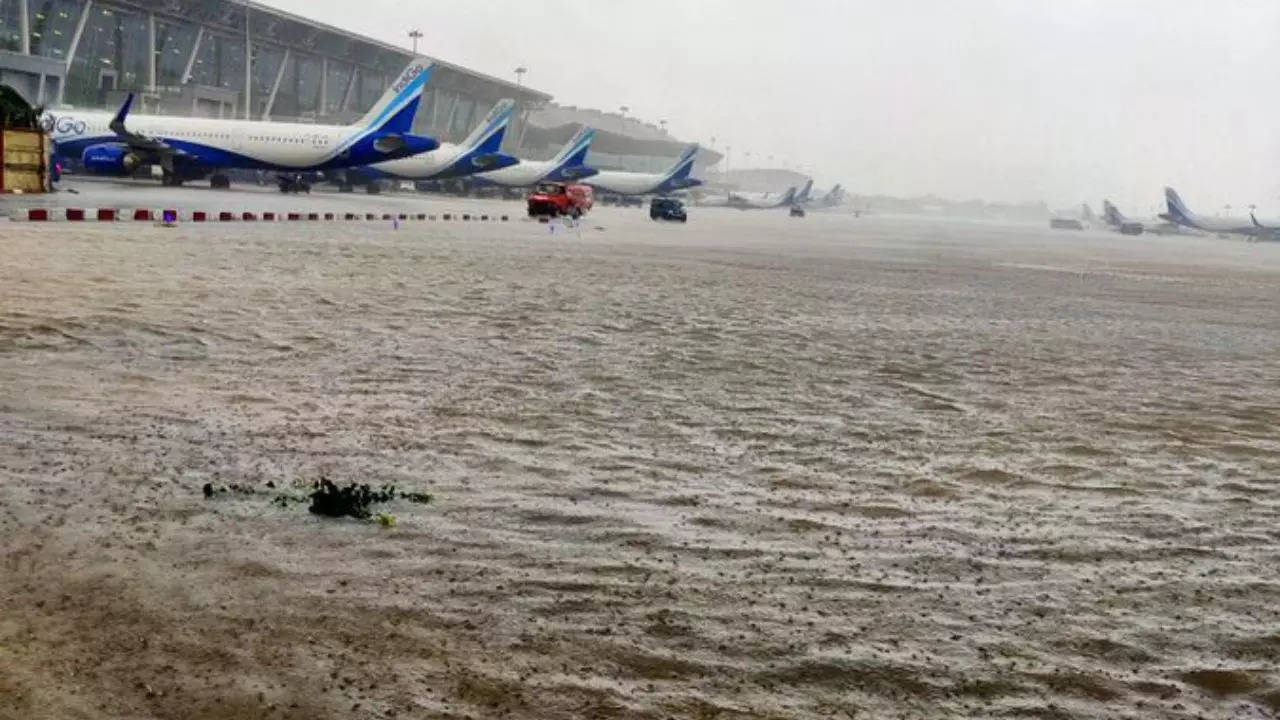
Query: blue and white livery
point(569, 165)
point(480, 152)
point(629, 183)
point(1180, 214)
point(187, 148)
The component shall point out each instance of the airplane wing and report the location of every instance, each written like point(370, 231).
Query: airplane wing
point(143, 143)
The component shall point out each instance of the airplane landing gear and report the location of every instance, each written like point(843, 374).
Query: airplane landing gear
point(294, 184)
point(170, 180)
point(374, 187)
point(219, 181)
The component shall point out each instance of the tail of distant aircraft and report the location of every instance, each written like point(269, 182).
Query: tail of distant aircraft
point(1178, 211)
point(803, 196)
point(1086, 214)
point(684, 166)
point(394, 111)
point(1112, 215)
point(575, 153)
point(790, 198)
point(487, 138)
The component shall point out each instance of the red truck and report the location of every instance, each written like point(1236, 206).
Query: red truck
point(554, 199)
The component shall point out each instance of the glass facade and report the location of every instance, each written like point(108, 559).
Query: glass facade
point(462, 118)
point(220, 63)
point(131, 45)
point(173, 48)
point(286, 104)
point(10, 26)
point(310, 74)
point(370, 90)
point(266, 63)
point(339, 77)
point(53, 24)
point(427, 110)
point(112, 55)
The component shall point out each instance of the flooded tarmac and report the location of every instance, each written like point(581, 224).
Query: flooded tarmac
point(753, 467)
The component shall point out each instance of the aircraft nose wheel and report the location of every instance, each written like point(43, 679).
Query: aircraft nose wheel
point(220, 182)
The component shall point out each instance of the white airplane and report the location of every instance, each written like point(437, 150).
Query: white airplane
point(188, 148)
point(1128, 226)
point(569, 165)
point(630, 183)
point(832, 198)
point(752, 201)
point(1180, 214)
point(480, 152)
point(741, 202)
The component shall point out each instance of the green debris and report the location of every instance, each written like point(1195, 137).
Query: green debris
point(330, 500)
point(354, 500)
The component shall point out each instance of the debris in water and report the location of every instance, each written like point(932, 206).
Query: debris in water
point(329, 500)
point(354, 500)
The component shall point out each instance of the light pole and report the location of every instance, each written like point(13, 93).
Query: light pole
point(415, 35)
point(248, 64)
point(663, 125)
point(622, 124)
point(520, 71)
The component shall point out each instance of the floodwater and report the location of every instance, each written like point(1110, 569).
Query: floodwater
point(753, 467)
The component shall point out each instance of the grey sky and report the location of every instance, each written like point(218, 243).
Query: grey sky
point(1064, 101)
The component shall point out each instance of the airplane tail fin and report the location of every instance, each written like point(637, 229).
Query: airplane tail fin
point(789, 198)
point(803, 196)
point(1086, 214)
point(394, 111)
point(684, 166)
point(575, 153)
point(1178, 211)
point(488, 136)
point(1112, 214)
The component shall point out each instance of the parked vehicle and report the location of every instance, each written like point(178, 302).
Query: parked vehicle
point(555, 199)
point(667, 209)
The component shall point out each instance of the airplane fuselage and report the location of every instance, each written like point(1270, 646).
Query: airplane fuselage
point(213, 142)
point(625, 183)
point(448, 161)
point(526, 174)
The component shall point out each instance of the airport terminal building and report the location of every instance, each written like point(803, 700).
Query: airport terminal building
point(234, 59)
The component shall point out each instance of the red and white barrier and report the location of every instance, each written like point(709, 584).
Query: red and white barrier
point(72, 214)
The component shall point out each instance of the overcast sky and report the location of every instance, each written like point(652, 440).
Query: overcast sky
point(1062, 100)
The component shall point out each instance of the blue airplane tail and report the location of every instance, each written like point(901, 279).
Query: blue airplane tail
point(574, 154)
point(395, 110)
point(1178, 211)
point(803, 197)
point(684, 166)
point(488, 136)
point(1112, 214)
